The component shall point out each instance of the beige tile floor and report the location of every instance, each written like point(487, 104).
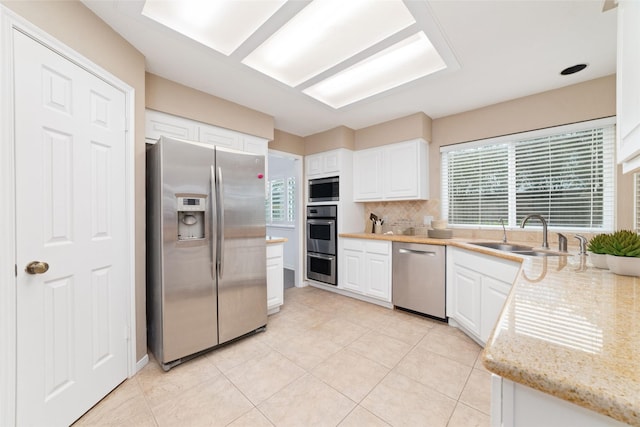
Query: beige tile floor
point(324, 360)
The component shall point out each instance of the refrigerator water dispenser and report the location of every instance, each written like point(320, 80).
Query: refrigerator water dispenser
point(191, 217)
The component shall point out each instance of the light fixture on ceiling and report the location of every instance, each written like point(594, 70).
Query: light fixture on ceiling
point(573, 69)
point(408, 60)
point(222, 25)
point(324, 34)
point(339, 51)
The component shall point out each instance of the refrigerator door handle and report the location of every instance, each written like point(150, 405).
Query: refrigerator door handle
point(213, 227)
point(220, 203)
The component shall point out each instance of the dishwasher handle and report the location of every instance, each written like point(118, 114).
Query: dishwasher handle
point(413, 251)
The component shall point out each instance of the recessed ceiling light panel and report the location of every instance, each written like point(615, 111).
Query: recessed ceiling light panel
point(326, 33)
point(222, 25)
point(408, 60)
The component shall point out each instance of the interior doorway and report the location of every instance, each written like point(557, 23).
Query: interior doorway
point(284, 211)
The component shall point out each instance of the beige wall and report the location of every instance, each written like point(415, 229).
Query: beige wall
point(287, 142)
point(79, 28)
point(173, 98)
point(403, 129)
point(340, 137)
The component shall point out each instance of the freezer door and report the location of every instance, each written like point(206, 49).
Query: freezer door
point(242, 281)
point(188, 303)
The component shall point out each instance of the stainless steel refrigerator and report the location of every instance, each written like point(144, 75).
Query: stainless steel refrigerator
point(206, 248)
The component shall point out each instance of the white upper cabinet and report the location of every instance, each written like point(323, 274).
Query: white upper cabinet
point(158, 124)
point(367, 178)
point(392, 172)
point(255, 145)
point(220, 137)
point(628, 85)
point(323, 164)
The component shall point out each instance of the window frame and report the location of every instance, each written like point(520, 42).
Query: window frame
point(511, 141)
point(288, 205)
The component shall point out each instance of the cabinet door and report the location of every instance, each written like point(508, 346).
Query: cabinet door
point(378, 276)
point(352, 268)
point(367, 174)
point(220, 137)
point(494, 294)
point(314, 164)
point(401, 171)
point(255, 145)
point(331, 162)
point(466, 287)
point(628, 84)
point(160, 124)
point(275, 276)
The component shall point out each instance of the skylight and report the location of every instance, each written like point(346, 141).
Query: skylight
point(408, 60)
point(222, 25)
point(324, 34)
point(336, 51)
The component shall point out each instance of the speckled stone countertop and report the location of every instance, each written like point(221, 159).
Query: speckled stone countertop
point(567, 329)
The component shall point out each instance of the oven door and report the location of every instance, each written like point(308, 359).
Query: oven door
point(321, 236)
point(322, 268)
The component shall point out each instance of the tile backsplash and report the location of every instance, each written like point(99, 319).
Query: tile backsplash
point(407, 217)
point(400, 216)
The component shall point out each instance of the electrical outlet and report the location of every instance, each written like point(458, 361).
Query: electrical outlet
point(426, 220)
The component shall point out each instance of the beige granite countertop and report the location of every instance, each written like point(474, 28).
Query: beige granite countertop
point(272, 239)
point(567, 329)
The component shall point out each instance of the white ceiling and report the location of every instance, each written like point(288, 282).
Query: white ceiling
point(505, 49)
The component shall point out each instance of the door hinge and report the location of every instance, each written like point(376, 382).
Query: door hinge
point(16, 266)
point(127, 333)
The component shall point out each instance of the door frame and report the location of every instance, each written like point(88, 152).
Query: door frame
point(300, 214)
point(9, 21)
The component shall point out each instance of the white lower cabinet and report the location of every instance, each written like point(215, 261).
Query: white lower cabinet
point(365, 268)
point(464, 286)
point(494, 294)
point(477, 287)
point(516, 405)
point(275, 277)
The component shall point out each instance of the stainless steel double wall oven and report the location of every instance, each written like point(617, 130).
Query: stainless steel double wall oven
point(322, 243)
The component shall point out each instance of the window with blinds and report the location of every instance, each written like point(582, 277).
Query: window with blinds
point(565, 174)
point(280, 205)
point(638, 202)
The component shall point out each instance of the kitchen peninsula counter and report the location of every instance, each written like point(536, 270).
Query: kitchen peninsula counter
point(567, 329)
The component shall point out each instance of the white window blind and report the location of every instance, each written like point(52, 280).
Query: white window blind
point(280, 205)
point(565, 174)
point(638, 202)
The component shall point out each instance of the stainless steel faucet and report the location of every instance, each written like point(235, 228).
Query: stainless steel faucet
point(545, 243)
point(583, 243)
point(504, 231)
point(562, 242)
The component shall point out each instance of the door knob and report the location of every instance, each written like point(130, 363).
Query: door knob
point(37, 267)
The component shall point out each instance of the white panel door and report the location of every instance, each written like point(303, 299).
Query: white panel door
point(70, 213)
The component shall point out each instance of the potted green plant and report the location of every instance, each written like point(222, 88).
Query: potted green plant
point(598, 251)
point(623, 253)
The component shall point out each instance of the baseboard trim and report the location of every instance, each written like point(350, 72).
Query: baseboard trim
point(141, 363)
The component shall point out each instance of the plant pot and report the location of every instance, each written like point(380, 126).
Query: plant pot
point(598, 260)
point(624, 266)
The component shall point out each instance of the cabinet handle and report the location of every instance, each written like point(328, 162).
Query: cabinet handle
point(413, 251)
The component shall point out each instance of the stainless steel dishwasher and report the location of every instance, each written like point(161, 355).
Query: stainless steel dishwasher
point(419, 278)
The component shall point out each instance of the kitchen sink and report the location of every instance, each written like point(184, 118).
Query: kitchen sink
point(507, 247)
point(516, 249)
point(537, 253)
